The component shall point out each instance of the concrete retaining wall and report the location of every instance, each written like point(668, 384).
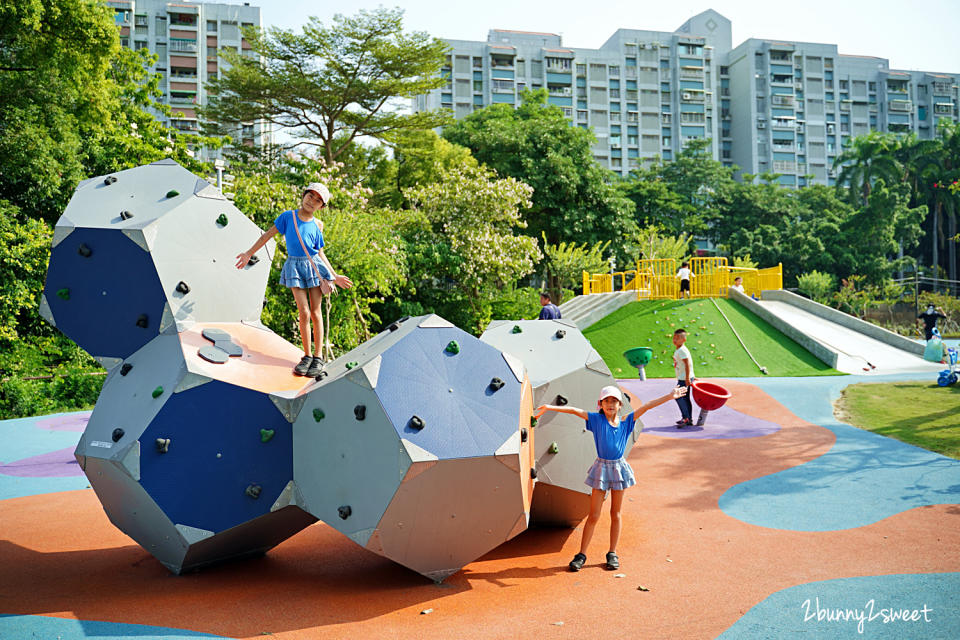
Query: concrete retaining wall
point(823, 353)
point(846, 320)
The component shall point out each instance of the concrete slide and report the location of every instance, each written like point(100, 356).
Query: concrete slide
point(840, 340)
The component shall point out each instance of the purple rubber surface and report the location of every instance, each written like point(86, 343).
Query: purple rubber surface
point(55, 464)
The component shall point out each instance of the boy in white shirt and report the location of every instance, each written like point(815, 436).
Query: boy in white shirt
point(683, 367)
point(738, 284)
point(685, 275)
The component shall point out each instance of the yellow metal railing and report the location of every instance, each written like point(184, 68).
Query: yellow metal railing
point(657, 279)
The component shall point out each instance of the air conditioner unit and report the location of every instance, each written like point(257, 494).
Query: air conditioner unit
point(829, 128)
point(686, 96)
point(642, 45)
point(761, 125)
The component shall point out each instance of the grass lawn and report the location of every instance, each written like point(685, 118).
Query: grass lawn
point(918, 413)
point(716, 351)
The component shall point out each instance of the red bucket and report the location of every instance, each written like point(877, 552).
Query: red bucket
point(709, 396)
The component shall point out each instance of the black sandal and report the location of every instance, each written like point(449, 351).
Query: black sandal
point(578, 561)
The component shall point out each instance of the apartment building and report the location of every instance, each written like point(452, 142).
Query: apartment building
point(188, 38)
point(768, 106)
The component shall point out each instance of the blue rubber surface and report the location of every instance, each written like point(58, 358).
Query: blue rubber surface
point(108, 292)
point(865, 607)
point(864, 478)
point(42, 628)
point(463, 417)
point(23, 438)
point(195, 487)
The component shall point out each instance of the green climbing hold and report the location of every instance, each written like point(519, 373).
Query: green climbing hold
point(173, 193)
point(516, 329)
point(351, 365)
point(453, 347)
point(64, 293)
point(318, 415)
point(554, 447)
point(533, 422)
point(222, 220)
point(158, 392)
point(266, 435)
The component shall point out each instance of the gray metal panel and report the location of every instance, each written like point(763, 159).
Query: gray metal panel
point(450, 514)
point(341, 461)
point(127, 402)
point(545, 356)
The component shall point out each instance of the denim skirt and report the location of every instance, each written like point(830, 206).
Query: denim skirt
point(297, 272)
point(610, 474)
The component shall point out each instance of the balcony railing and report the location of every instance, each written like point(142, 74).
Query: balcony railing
point(182, 46)
point(784, 167)
point(691, 74)
point(901, 105)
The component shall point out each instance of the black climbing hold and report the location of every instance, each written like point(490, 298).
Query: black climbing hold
point(319, 415)
point(523, 434)
point(173, 193)
point(182, 287)
point(533, 474)
point(453, 347)
point(344, 512)
point(416, 423)
point(125, 369)
point(222, 220)
point(84, 250)
point(516, 329)
point(321, 376)
point(560, 333)
point(266, 434)
point(253, 491)
point(253, 260)
point(163, 445)
point(125, 215)
point(109, 180)
point(393, 326)
point(142, 321)
point(64, 293)
point(496, 384)
point(360, 412)
point(561, 401)
point(117, 434)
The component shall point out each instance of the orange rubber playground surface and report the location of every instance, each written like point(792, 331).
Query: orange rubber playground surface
point(797, 526)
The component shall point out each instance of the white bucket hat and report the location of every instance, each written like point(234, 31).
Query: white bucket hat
point(610, 392)
point(320, 189)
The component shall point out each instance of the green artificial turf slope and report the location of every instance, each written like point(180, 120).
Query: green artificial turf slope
point(715, 349)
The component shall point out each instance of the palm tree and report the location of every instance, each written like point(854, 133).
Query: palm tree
point(921, 164)
point(865, 159)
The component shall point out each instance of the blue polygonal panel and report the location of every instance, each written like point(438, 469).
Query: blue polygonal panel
point(450, 392)
point(108, 292)
point(216, 452)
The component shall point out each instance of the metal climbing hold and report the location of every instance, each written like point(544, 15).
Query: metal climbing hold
point(344, 511)
point(453, 347)
point(182, 287)
point(125, 369)
point(222, 220)
point(157, 392)
point(117, 434)
point(253, 491)
point(560, 333)
point(125, 215)
point(142, 321)
point(416, 423)
point(561, 401)
point(360, 412)
point(266, 435)
point(109, 180)
point(496, 384)
point(173, 193)
point(523, 434)
point(516, 329)
point(63, 293)
point(162, 444)
point(84, 250)
point(554, 448)
point(318, 415)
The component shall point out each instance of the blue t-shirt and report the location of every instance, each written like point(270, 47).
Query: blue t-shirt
point(549, 311)
point(309, 231)
point(611, 441)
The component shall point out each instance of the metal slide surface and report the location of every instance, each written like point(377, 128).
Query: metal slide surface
point(855, 349)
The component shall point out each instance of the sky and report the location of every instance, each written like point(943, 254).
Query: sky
point(927, 39)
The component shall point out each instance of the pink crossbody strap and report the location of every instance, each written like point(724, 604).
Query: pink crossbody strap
point(296, 228)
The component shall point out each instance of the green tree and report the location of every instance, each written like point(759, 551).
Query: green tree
point(468, 224)
point(565, 263)
point(655, 202)
point(866, 159)
point(331, 84)
point(573, 197)
point(701, 184)
point(656, 243)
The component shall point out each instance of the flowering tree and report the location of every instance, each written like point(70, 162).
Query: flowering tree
point(469, 217)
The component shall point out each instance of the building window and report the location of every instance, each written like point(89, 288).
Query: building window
point(581, 69)
point(139, 44)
